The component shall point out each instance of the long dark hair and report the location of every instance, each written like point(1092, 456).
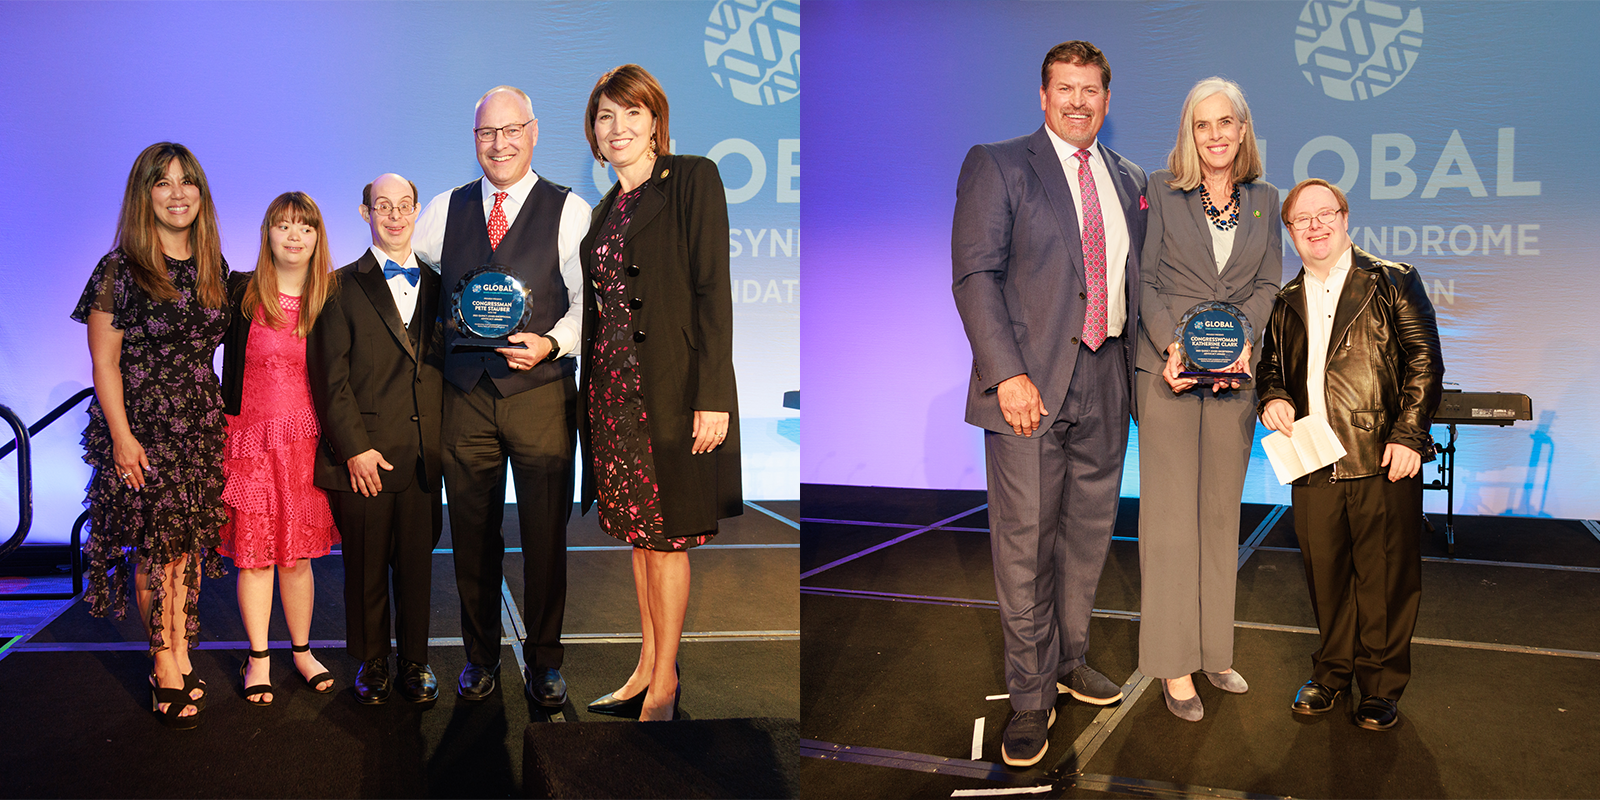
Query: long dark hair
point(136, 227)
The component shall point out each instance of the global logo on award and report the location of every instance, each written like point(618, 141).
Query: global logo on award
point(753, 49)
point(1357, 49)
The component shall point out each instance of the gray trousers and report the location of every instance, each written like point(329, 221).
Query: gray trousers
point(1052, 504)
point(1193, 451)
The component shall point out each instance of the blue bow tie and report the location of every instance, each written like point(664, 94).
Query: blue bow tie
point(391, 269)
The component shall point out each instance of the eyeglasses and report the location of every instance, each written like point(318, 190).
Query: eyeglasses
point(1325, 216)
point(383, 208)
point(514, 131)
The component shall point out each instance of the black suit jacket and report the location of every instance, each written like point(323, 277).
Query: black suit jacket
point(677, 246)
point(376, 385)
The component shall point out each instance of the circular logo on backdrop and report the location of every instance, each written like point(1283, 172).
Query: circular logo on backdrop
point(753, 49)
point(1357, 49)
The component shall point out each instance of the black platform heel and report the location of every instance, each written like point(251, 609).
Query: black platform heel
point(315, 680)
point(258, 689)
point(177, 700)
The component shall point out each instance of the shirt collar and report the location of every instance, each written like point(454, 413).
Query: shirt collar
point(1337, 272)
point(1066, 151)
point(377, 253)
point(518, 191)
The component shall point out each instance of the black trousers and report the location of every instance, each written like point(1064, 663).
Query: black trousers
point(536, 431)
point(387, 537)
point(1361, 542)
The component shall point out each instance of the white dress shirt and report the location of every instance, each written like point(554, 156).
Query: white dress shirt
point(1322, 300)
point(1116, 225)
point(405, 295)
point(428, 242)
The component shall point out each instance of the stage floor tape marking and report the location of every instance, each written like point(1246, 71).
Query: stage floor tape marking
point(977, 739)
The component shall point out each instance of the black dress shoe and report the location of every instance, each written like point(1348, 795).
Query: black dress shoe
point(546, 688)
point(613, 706)
point(1314, 698)
point(417, 682)
point(372, 681)
point(1377, 714)
point(478, 681)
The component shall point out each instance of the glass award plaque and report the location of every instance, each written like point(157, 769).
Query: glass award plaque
point(1211, 337)
point(488, 305)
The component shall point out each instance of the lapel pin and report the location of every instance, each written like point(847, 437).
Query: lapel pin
point(666, 172)
point(1258, 213)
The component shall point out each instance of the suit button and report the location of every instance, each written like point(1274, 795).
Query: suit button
point(636, 302)
point(638, 336)
point(414, 417)
point(1082, 296)
point(1074, 340)
point(632, 270)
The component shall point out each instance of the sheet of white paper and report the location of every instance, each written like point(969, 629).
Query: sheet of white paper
point(1313, 446)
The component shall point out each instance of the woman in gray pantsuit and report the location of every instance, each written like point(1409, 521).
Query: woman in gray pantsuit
point(1211, 236)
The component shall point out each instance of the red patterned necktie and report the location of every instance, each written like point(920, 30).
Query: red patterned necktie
point(498, 224)
point(1094, 256)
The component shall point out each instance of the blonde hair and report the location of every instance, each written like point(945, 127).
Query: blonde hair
point(261, 295)
point(136, 228)
point(1184, 160)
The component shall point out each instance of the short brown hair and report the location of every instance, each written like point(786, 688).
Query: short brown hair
point(629, 85)
point(1294, 194)
point(1076, 52)
point(366, 193)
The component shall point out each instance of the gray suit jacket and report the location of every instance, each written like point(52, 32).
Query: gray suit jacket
point(1180, 266)
point(1018, 268)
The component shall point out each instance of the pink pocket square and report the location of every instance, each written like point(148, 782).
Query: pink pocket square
point(1144, 205)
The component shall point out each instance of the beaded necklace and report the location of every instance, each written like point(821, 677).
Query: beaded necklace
point(1215, 214)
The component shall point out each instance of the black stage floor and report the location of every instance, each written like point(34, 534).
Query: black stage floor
point(74, 719)
point(901, 660)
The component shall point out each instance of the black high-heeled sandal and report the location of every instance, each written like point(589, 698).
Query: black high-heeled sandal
point(191, 683)
point(177, 700)
point(258, 689)
point(314, 680)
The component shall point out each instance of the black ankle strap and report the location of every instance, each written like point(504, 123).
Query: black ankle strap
point(301, 648)
point(260, 653)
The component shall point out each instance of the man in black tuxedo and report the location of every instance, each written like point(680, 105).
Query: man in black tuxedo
point(377, 384)
point(515, 404)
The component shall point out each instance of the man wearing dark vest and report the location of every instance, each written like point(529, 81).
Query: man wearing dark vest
point(376, 383)
point(516, 402)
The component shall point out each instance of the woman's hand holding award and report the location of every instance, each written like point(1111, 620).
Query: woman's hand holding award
point(488, 305)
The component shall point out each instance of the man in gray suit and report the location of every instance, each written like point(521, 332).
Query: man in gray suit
point(1045, 249)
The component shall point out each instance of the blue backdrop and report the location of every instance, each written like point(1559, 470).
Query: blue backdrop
point(1463, 132)
point(322, 97)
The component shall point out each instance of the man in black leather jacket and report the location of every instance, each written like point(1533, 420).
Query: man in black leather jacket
point(1359, 519)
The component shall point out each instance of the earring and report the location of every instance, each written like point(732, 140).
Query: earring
point(652, 145)
point(599, 158)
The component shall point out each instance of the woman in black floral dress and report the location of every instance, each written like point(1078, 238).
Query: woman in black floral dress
point(660, 420)
point(156, 310)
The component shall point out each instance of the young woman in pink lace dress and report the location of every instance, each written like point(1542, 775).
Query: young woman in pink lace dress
point(277, 520)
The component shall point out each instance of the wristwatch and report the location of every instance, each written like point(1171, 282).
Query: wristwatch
point(555, 348)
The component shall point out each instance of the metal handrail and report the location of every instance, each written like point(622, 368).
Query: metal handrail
point(44, 422)
point(24, 482)
point(25, 496)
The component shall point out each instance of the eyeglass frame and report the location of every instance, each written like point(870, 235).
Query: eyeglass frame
point(487, 134)
point(378, 209)
point(1304, 223)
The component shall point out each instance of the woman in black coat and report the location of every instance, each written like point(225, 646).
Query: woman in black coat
point(659, 415)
